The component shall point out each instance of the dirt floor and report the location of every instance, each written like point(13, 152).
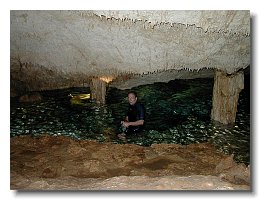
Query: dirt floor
point(61, 163)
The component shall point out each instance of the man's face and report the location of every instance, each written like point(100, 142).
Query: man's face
point(132, 99)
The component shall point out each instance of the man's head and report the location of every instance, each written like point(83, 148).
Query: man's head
point(132, 97)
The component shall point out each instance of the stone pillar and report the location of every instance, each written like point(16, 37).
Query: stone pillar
point(225, 96)
point(98, 90)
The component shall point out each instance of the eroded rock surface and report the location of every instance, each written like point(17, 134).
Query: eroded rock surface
point(51, 163)
point(57, 49)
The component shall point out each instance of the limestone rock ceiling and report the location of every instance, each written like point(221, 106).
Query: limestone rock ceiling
point(98, 43)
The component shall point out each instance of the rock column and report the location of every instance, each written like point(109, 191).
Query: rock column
point(225, 96)
point(98, 90)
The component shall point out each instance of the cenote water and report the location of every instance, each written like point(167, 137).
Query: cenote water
point(176, 112)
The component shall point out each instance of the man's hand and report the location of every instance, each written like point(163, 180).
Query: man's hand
point(125, 124)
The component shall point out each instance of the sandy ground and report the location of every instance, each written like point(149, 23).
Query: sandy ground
point(61, 163)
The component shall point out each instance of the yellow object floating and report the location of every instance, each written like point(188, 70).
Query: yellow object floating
point(79, 99)
point(80, 96)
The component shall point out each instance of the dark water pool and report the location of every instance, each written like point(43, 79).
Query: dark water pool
point(176, 112)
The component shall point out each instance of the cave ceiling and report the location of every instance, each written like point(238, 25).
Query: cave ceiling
point(136, 43)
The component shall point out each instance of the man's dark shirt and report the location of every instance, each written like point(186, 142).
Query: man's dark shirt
point(135, 112)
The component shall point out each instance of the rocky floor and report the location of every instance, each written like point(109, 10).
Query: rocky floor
point(61, 163)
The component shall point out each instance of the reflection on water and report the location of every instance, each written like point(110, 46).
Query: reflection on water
point(176, 112)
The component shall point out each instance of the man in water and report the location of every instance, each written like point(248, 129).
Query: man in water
point(134, 120)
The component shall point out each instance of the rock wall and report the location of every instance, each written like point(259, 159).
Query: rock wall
point(26, 77)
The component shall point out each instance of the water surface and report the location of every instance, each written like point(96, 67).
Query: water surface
point(176, 112)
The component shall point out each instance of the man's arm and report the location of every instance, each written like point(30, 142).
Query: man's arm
point(136, 123)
